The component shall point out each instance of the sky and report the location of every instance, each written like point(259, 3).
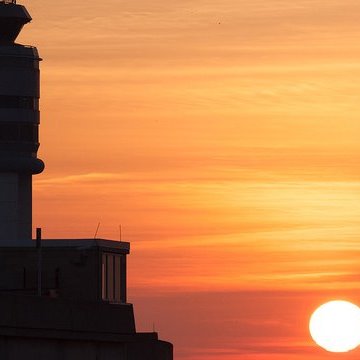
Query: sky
point(222, 136)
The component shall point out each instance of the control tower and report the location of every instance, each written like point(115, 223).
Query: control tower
point(19, 125)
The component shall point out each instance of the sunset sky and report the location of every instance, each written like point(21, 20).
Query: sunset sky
point(223, 135)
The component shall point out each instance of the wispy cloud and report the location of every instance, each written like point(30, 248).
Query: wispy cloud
point(223, 137)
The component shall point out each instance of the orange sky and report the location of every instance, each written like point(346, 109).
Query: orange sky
point(223, 136)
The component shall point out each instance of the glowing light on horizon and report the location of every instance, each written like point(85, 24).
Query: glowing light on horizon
point(335, 326)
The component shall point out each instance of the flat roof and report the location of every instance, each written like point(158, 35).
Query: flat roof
point(74, 243)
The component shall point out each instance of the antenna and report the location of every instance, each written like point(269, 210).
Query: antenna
point(120, 232)
point(97, 229)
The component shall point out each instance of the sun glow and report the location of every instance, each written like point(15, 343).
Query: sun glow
point(335, 326)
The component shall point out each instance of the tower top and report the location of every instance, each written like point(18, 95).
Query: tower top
point(12, 18)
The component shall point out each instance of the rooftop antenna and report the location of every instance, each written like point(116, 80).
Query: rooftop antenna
point(120, 232)
point(97, 229)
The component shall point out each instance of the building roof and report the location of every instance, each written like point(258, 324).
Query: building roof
point(73, 243)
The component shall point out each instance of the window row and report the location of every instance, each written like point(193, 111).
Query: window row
point(19, 102)
point(23, 132)
point(112, 278)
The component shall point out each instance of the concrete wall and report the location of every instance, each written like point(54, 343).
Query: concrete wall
point(15, 206)
point(41, 313)
point(15, 348)
point(8, 205)
point(69, 273)
point(38, 328)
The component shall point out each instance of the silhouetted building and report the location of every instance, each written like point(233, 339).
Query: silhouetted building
point(19, 121)
point(59, 299)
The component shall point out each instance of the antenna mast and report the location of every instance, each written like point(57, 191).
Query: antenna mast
point(97, 229)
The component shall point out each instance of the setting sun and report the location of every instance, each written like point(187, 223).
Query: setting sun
point(335, 326)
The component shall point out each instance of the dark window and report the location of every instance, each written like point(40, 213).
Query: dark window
point(111, 277)
point(22, 132)
point(117, 281)
point(18, 102)
point(103, 277)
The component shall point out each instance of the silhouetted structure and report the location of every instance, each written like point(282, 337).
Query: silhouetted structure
point(19, 121)
point(59, 299)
